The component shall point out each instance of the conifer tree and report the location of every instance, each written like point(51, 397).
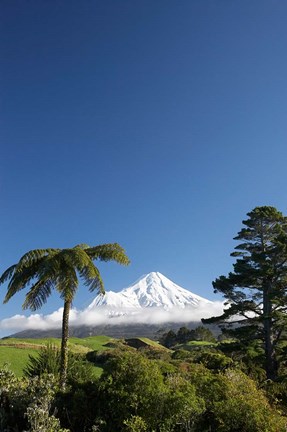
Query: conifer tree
point(256, 290)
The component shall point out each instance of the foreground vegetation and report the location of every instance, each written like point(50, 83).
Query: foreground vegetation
point(150, 389)
point(190, 383)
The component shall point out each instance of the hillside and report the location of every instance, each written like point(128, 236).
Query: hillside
point(15, 351)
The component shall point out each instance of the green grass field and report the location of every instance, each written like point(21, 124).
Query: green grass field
point(92, 343)
point(152, 343)
point(15, 352)
point(16, 358)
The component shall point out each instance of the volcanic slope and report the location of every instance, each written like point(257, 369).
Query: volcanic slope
point(152, 290)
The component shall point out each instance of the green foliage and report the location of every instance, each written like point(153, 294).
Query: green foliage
point(137, 394)
point(25, 405)
point(155, 353)
point(248, 357)
point(245, 408)
point(101, 357)
point(79, 407)
point(233, 403)
point(135, 424)
point(48, 361)
point(184, 335)
point(202, 333)
point(40, 420)
point(41, 392)
point(11, 390)
point(135, 385)
point(181, 354)
point(213, 360)
point(80, 370)
point(149, 392)
point(168, 339)
point(182, 403)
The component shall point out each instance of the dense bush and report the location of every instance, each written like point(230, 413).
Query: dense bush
point(233, 403)
point(139, 394)
point(26, 404)
point(244, 407)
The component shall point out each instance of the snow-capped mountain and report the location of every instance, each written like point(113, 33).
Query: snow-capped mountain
point(139, 310)
point(152, 290)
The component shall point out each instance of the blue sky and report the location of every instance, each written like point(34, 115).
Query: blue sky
point(157, 125)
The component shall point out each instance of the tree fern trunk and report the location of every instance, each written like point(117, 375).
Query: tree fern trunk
point(64, 345)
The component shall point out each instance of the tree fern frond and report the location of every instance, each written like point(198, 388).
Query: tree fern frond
point(7, 274)
point(67, 284)
point(92, 278)
point(20, 279)
point(82, 246)
point(34, 255)
point(49, 267)
point(109, 252)
point(78, 259)
point(75, 258)
point(68, 292)
point(38, 295)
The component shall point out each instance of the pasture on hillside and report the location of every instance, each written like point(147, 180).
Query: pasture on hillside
point(15, 352)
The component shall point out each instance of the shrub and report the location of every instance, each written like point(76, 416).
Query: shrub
point(48, 362)
point(41, 392)
point(25, 404)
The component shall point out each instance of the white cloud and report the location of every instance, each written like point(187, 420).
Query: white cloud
point(98, 316)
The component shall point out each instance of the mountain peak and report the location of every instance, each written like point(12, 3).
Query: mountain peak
point(152, 276)
point(151, 290)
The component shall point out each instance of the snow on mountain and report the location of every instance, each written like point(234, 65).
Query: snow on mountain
point(151, 301)
point(152, 290)
point(112, 299)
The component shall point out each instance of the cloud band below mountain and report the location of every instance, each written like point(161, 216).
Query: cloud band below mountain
point(99, 316)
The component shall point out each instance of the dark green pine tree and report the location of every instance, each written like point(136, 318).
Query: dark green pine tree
point(256, 290)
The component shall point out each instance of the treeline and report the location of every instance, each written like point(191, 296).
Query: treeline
point(170, 338)
point(146, 390)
